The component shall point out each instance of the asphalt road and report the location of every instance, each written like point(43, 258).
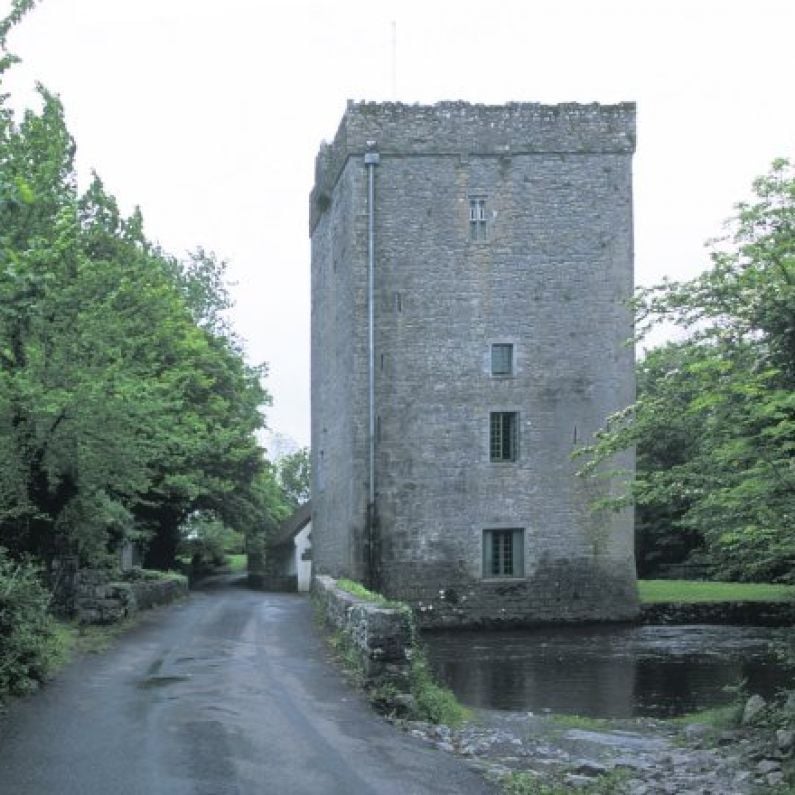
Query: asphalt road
point(230, 691)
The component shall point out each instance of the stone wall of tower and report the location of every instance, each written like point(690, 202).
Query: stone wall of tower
point(550, 279)
point(339, 380)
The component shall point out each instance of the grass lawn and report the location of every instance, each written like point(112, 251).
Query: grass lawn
point(237, 562)
point(692, 591)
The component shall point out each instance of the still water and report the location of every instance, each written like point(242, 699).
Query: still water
point(609, 671)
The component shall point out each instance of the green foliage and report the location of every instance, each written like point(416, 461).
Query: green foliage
point(435, 703)
point(126, 406)
point(580, 722)
point(205, 542)
point(524, 783)
point(651, 591)
point(358, 590)
point(295, 477)
point(724, 717)
point(151, 575)
point(30, 643)
point(18, 10)
point(236, 563)
point(348, 655)
point(714, 423)
point(96, 638)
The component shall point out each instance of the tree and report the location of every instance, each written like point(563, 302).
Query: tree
point(126, 405)
point(665, 390)
point(294, 476)
point(715, 420)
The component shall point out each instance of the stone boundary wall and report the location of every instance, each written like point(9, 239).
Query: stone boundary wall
point(100, 599)
point(764, 614)
point(382, 636)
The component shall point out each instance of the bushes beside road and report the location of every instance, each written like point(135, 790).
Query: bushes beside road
point(30, 645)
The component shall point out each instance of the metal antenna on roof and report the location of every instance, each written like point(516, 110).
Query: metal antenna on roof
point(394, 60)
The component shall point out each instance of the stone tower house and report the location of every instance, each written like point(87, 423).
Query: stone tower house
point(469, 267)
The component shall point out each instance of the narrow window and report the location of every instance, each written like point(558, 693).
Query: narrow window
point(502, 358)
point(477, 219)
point(502, 435)
point(503, 553)
point(321, 472)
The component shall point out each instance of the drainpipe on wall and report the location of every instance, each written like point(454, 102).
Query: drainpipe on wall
point(371, 160)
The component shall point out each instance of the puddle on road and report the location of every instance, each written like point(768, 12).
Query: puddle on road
point(609, 671)
point(162, 681)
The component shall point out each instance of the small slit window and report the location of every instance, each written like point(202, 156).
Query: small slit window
point(503, 553)
point(502, 435)
point(477, 219)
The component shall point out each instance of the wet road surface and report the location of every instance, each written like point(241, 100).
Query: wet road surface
point(230, 692)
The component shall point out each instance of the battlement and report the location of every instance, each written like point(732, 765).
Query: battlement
point(464, 129)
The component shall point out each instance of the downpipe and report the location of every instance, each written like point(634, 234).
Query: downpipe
point(371, 160)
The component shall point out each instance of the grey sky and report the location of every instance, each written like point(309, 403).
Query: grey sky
point(209, 114)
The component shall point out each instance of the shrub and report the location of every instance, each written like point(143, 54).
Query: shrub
point(205, 543)
point(524, 783)
point(138, 574)
point(30, 644)
point(435, 703)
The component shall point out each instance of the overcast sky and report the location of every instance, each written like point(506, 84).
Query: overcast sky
point(209, 115)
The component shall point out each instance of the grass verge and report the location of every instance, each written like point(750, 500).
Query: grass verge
point(435, 703)
point(358, 590)
point(724, 717)
point(580, 722)
point(651, 591)
point(91, 638)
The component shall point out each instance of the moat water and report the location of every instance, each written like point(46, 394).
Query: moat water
point(615, 671)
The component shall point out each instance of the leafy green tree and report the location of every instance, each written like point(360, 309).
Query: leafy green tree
point(126, 406)
point(665, 446)
point(715, 422)
point(294, 476)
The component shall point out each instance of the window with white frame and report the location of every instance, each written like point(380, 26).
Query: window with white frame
point(503, 553)
point(502, 359)
point(477, 219)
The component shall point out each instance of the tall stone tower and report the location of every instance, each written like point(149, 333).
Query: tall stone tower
point(469, 268)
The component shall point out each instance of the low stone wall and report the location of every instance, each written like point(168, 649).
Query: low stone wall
point(383, 637)
point(101, 599)
point(764, 614)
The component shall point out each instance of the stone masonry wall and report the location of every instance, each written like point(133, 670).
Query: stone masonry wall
point(758, 614)
point(551, 279)
point(339, 382)
point(460, 128)
point(383, 636)
point(101, 599)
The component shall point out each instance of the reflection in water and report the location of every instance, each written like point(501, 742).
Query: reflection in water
point(608, 671)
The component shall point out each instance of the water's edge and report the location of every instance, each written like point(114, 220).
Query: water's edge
point(609, 671)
